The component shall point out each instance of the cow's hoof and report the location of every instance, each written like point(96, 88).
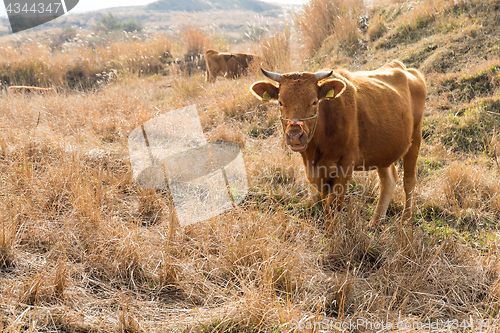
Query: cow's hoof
point(375, 224)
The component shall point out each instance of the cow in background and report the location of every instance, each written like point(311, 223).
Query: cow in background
point(228, 65)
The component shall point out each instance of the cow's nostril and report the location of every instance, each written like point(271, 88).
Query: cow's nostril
point(296, 135)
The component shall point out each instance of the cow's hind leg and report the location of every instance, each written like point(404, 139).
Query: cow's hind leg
point(410, 174)
point(388, 178)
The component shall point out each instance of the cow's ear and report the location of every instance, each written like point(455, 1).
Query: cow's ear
point(331, 89)
point(266, 91)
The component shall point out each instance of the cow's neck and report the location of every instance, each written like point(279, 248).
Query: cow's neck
point(312, 157)
point(313, 153)
point(319, 158)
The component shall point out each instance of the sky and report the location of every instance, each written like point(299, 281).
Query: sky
point(90, 5)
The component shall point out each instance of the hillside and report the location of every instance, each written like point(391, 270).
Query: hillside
point(170, 15)
point(204, 5)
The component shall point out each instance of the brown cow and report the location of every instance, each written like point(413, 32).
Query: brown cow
point(343, 122)
point(30, 89)
point(229, 65)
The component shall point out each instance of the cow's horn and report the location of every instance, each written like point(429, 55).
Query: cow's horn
point(273, 76)
point(322, 75)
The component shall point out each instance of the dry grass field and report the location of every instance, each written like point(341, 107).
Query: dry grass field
point(84, 249)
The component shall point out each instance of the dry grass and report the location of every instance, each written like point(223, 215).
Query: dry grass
point(84, 238)
point(377, 27)
point(195, 40)
point(413, 21)
point(467, 195)
point(275, 51)
point(83, 248)
point(81, 62)
point(320, 19)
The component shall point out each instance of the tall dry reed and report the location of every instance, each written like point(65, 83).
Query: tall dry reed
point(320, 19)
point(276, 50)
point(80, 64)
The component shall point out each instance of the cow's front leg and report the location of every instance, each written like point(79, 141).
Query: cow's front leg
point(336, 190)
point(314, 198)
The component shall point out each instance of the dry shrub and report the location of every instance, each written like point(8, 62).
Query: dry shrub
point(278, 173)
point(422, 14)
point(7, 243)
point(61, 279)
point(231, 100)
point(320, 19)
point(113, 253)
point(242, 266)
point(338, 297)
point(383, 3)
point(416, 22)
point(67, 319)
point(275, 51)
point(438, 61)
point(128, 320)
point(470, 193)
point(227, 133)
point(188, 88)
point(422, 275)
point(46, 286)
point(151, 206)
point(80, 64)
point(468, 187)
point(238, 106)
point(255, 311)
point(86, 200)
point(494, 149)
point(376, 28)
point(416, 277)
point(195, 40)
point(142, 57)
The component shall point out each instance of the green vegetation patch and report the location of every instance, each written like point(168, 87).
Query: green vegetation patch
point(417, 58)
point(113, 23)
point(423, 20)
point(471, 130)
point(466, 88)
point(466, 228)
point(427, 166)
point(411, 32)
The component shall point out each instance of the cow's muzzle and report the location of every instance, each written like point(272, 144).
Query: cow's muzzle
point(296, 137)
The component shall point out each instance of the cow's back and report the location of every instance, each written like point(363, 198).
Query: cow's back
point(413, 82)
point(385, 113)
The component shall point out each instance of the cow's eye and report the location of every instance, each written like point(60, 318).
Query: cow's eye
point(280, 104)
point(315, 103)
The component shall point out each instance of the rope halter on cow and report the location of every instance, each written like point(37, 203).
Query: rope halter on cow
point(300, 122)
